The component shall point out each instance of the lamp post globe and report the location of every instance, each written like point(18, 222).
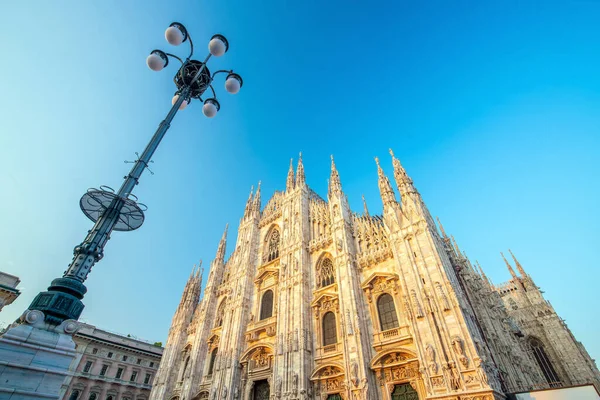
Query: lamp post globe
point(218, 45)
point(176, 34)
point(210, 107)
point(157, 60)
point(233, 83)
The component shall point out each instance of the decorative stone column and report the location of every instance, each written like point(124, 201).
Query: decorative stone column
point(35, 357)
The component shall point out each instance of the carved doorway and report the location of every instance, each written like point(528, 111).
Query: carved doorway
point(334, 397)
point(262, 391)
point(404, 392)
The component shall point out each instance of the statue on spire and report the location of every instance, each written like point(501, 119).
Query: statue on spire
point(335, 185)
point(300, 178)
point(249, 202)
point(365, 206)
point(441, 227)
point(404, 182)
point(256, 204)
point(385, 188)
point(291, 180)
point(510, 268)
point(519, 267)
point(223, 245)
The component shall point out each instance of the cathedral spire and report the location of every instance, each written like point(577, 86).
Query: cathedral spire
point(223, 245)
point(249, 202)
point(256, 204)
point(199, 274)
point(291, 180)
point(484, 276)
point(510, 268)
point(300, 178)
point(456, 248)
point(365, 206)
point(385, 188)
point(441, 228)
point(519, 267)
point(404, 182)
point(335, 185)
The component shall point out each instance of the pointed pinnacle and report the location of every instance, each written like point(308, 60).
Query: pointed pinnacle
point(518, 264)
point(441, 227)
point(198, 273)
point(365, 205)
point(510, 268)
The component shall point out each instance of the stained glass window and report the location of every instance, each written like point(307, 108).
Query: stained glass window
point(387, 312)
point(325, 273)
point(266, 305)
point(537, 349)
point(329, 331)
point(273, 246)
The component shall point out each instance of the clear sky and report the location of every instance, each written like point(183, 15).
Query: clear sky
point(493, 108)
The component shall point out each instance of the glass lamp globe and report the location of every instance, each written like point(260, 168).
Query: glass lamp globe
point(210, 108)
point(176, 34)
point(233, 83)
point(183, 104)
point(218, 45)
point(157, 60)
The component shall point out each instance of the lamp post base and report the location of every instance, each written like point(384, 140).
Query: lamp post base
point(35, 356)
point(61, 302)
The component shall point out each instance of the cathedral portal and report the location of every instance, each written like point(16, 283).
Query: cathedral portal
point(262, 390)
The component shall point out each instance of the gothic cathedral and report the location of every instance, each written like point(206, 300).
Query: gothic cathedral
point(319, 302)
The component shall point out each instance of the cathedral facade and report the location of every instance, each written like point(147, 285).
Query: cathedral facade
point(319, 302)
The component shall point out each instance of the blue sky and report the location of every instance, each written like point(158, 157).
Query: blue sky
point(493, 108)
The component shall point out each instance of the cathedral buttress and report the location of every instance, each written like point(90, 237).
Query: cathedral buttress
point(353, 331)
point(440, 316)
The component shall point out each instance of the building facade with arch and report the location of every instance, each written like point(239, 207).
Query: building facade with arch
point(319, 302)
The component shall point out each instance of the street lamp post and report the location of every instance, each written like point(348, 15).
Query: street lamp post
point(121, 211)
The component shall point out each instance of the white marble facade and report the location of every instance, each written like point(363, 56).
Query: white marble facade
point(319, 302)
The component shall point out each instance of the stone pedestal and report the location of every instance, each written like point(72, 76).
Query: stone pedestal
point(35, 357)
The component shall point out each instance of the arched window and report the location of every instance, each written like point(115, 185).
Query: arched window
point(266, 305)
point(220, 314)
point(110, 397)
point(185, 366)
point(537, 349)
point(211, 364)
point(93, 396)
point(387, 312)
point(74, 395)
point(329, 332)
point(325, 272)
point(272, 249)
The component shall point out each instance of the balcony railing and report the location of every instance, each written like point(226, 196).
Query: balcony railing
point(392, 335)
point(330, 348)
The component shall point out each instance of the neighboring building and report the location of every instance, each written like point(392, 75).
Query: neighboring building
point(110, 367)
point(8, 289)
point(319, 302)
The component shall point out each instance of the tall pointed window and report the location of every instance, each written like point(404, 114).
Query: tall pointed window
point(266, 305)
point(325, 273)
point(220, 314)
point(537, 349)
point(387, 312)
point(185, 366)
point(329, 331)
point(211, 364)
point(272, 248)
